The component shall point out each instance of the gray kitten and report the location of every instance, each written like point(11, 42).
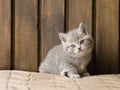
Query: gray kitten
point(72, 56)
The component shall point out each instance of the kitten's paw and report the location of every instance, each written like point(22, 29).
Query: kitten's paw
point(74, 76)
point(63, 73)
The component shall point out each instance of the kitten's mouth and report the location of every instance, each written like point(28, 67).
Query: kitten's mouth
point(80, 49)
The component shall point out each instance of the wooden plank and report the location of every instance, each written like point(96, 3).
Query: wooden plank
point(26, 35)
point(5, 25)
point(52, 21)
point(78, 11)
point(107, 29)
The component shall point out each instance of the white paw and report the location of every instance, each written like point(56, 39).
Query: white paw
point(63, 73)
point(74, 76)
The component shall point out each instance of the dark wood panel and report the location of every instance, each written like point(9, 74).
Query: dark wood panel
point(107, 28)
point(79, 11)
point(5, 31)
point(26, 35)
point(52, 21)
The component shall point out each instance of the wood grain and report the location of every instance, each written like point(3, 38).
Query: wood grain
point(5, 31)
point(107, 28)
point(26, 35)
point(79, 11)
point(52, 21)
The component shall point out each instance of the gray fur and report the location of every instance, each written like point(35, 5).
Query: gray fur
point(66, 59)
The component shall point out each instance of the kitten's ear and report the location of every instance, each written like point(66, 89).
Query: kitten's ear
point(62, 37)
point(82, 28)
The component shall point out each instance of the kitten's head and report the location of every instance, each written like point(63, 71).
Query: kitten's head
point(78, 42)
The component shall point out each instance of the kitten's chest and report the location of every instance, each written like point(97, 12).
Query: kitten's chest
point(75, 61)
point(80, 63)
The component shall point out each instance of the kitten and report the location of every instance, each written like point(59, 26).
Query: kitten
point(72, 56)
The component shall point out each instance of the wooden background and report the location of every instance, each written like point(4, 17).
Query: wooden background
point(28, 30)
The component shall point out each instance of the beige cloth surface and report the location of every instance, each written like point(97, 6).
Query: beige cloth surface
point(21, 80)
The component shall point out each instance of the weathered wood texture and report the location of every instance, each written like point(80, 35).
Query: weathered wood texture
point(107, 35)
point(52, 22)
point(79, 11)
point(26, 35)
point(5, 31)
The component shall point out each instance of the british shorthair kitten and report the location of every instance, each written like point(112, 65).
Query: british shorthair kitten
point(72, 56)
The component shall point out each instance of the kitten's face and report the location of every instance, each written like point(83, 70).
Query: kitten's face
point(77, 43)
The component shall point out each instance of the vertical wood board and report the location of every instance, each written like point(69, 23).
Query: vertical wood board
point(52, 22)
point(107, 28)
point(5, 31)
point(79, 11)
point(26, 35)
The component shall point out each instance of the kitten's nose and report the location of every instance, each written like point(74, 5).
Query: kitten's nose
point(79, 48)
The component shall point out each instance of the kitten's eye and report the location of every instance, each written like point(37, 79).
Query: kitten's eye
point(73, 46)
point(82, 41)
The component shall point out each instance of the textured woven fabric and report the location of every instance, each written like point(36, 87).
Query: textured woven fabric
point(21, 80)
